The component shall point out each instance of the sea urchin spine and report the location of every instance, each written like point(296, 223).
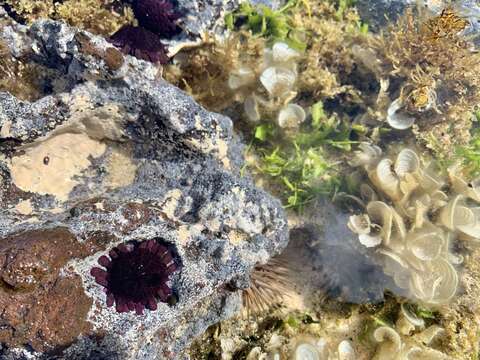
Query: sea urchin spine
point(136, 275)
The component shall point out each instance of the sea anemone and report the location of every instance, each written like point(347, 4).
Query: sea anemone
point(158, 16)
point(141, 43)
point(136, 275)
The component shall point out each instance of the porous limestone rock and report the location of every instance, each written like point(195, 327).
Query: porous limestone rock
point(113, 154)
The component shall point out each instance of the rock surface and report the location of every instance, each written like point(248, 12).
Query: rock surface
point(113, 154)
point(200, 17)
point(379, 13)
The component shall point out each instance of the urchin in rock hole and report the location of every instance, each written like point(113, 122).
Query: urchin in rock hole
point(136, 275)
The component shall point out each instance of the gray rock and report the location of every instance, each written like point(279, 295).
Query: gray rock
point(113, 154)
point(378, 13)
point(206, 16)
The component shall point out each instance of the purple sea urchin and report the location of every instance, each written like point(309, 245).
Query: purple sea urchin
point(136, 275)
point(141, 43)
point(158, 16)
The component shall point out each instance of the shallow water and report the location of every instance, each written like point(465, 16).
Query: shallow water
point(369, 139)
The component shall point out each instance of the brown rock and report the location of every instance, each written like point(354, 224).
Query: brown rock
point(41, 307)
point(113, 58)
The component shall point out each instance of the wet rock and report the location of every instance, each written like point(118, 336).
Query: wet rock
point(200, 17)
point(379, 13)
point(114, 155)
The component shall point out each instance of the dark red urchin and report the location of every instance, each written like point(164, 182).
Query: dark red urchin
point(136, 275)
point(141, 43)
point(158, 16)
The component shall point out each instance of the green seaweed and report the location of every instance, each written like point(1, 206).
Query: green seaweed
point(301, 163)
point(262, 21)
point(469, 154)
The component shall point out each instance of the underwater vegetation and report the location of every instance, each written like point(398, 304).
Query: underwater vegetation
point(428, 69)
point(136, 275)
point(409, 338)
point(260, 67)
point(411, 216)
point(97, 16)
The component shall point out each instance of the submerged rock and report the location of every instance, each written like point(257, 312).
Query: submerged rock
point(111, 157)
point(379, 13)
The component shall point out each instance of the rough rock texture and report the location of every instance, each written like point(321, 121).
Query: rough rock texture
point(200, 17)
point(113, 154)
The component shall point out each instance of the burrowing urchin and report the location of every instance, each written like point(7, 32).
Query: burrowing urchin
point(136, 275)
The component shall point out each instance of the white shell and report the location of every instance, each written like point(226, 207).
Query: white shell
point(367, 155)
point(396, 119)
point(456, 216)
point(359, 224)
point(346, 351)
point(283, 53)
point(426, 243)
point(438, 284)
point(241, 77)
point(254, 354)
point(385, 333)
point(411, 317)
point(459, 185)
point(407, 162)
point(369, 240)
point(291, 116)
point(251, 108)
point(306, 351)
point(277, 80)
point(388, 180)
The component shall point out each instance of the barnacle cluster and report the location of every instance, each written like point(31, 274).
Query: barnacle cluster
point(136, 275)
point(411, 216)
point(409, 339)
